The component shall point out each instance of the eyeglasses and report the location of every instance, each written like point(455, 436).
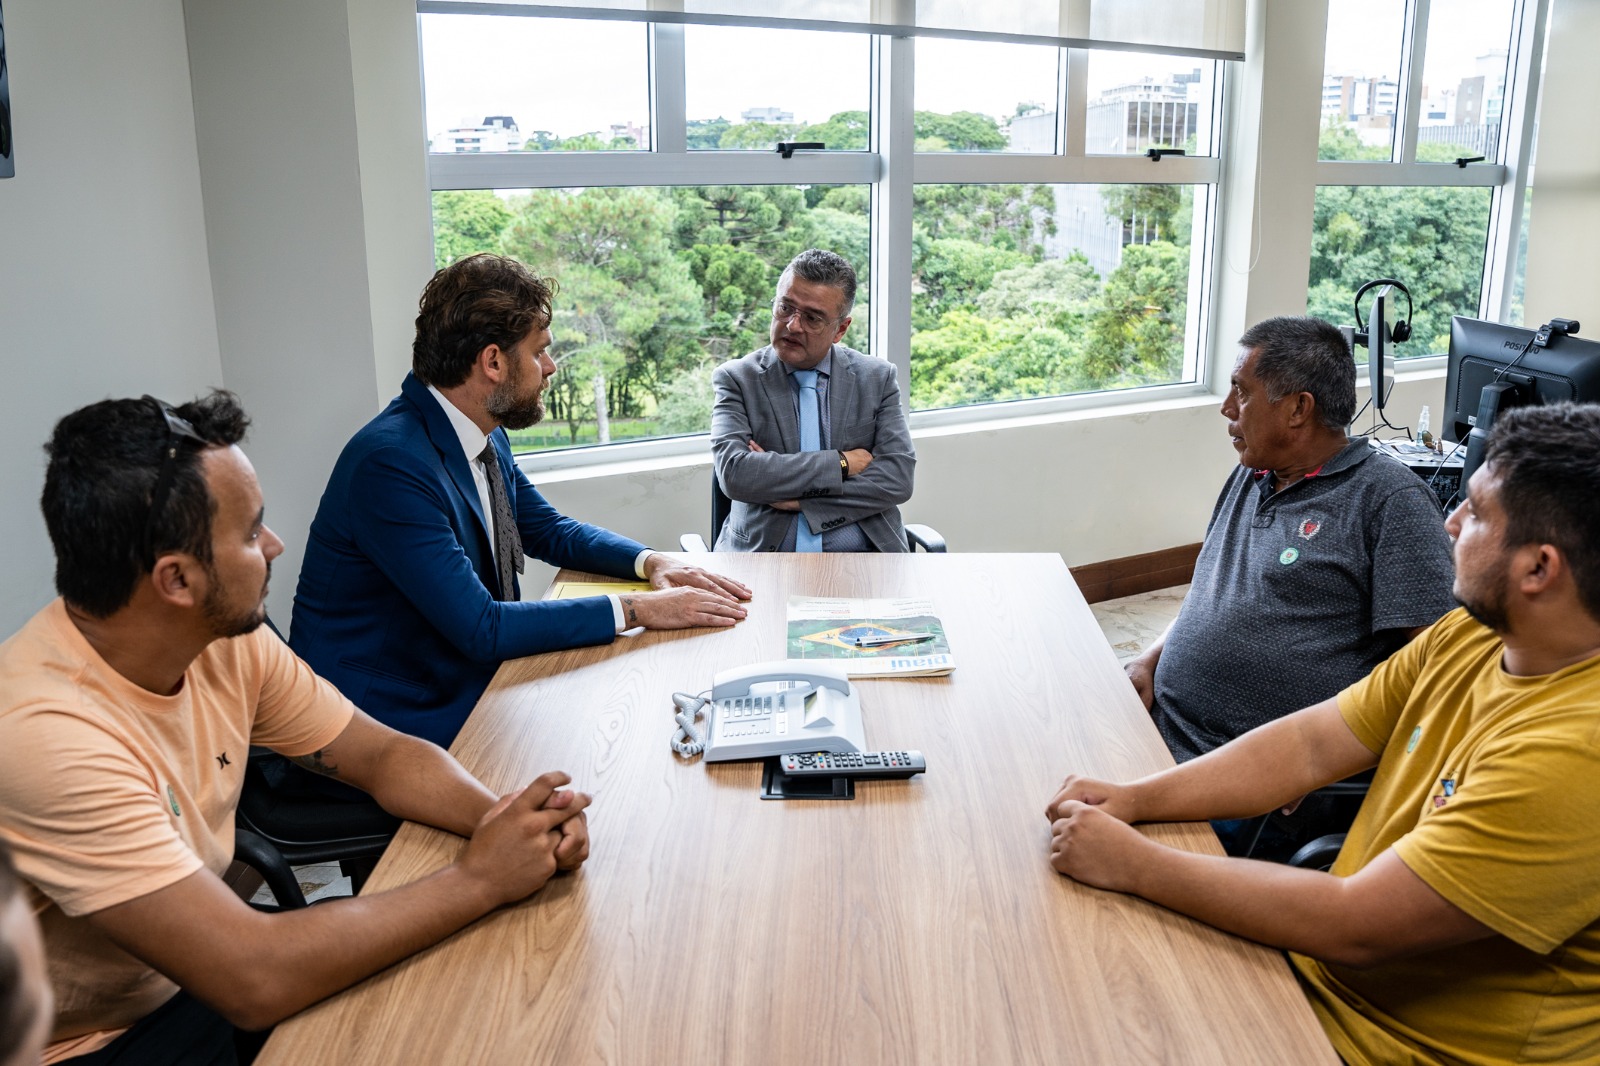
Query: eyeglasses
point(810, 321)
point(178, 430)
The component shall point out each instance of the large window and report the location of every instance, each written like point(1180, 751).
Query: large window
point(1417, 110)
point(1028, 291)
point(1029, 251)
point(656, 286)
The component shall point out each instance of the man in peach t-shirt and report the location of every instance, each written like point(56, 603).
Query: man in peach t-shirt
point(127, 708)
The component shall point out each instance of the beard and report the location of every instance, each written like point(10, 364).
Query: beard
point(227, 622)
point(1488, 607)
point(511, 410)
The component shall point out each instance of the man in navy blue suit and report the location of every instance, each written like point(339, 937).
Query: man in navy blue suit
point(408, 598)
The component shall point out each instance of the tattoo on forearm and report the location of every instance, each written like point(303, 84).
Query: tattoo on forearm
point(629, 610)
point(317, 764)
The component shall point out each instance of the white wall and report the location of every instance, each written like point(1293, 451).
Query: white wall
point(308, 209)
point(1563, 279)
point(309, 156)
point(104, 289)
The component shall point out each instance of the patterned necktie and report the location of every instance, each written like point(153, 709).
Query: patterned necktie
point(810, 441)
point(507, 538)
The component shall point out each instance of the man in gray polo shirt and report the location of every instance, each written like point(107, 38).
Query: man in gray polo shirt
point(1321, 558)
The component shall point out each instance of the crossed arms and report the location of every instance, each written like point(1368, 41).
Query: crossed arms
point(876, 446)
point(1382, 912)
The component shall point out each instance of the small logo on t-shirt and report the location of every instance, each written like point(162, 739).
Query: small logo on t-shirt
point(1447, 788)
point(172, 799)
point(1416, 735)
point(223, 762)
point(1309, 528)
point(1289, 555)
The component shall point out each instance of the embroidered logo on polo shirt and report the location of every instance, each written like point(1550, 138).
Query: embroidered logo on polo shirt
point(172, 799)
point(1289, 555)
point(1309, 528)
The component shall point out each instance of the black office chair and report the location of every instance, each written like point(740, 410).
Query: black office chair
point(1339, 802)
point(1320, 853)
point(281, 824)
point(917, 535)
point(305, 828)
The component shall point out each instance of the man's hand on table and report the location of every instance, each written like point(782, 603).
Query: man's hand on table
point(680, 608)
point(526, 837)
point(665, 572)
point(1143, 675)
point(1115, 800)
point(1094, 847)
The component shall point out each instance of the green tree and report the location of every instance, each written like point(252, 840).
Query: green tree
point(1055, 291)
point(705, 134)
point(971, 359)
point(1338, 140)
point(1136, 337)
point(686, 399)
point(962, 131)
point(755, 136)
point(847, 131)
point(1430, 238)
point(953, 273)
point(465, 222)
point(628, 312)
point(1148, 212)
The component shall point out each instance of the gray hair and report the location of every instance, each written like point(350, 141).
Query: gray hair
point(825, 268)
point(1301, 354)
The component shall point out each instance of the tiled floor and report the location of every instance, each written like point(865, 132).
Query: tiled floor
point(315, 882)
point(1130, 624)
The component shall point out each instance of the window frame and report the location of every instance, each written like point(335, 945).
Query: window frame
point(1508, 179)
point(891, 168)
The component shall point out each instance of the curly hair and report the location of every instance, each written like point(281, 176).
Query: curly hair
point(474, 302)
point(104, 460)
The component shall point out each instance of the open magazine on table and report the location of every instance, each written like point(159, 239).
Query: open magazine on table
point(871, 638)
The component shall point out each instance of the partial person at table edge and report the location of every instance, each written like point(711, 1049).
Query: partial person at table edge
point(809, 437)
point(409, 598)
point(1461, 919)
point(127, 709)
point(27, 1005)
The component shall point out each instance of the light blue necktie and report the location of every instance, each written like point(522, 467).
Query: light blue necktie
point(810, 441)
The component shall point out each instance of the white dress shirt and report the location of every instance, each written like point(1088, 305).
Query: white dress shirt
point(473, 441)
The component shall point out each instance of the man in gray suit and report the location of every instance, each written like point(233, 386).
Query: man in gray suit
point(810, 438)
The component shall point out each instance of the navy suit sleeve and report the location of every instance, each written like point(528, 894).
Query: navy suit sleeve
point(552, 537)
point(401, 521)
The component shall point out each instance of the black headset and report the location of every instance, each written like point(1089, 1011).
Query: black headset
point(1402, 327)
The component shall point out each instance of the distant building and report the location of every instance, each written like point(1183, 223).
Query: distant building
point(769, 115)
point(496, 133)
point(1123, 120)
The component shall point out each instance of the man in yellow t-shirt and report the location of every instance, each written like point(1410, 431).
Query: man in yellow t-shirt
point(127, 708)
point(1461, 921)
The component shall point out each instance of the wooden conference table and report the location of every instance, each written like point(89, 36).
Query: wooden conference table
point(919, 923)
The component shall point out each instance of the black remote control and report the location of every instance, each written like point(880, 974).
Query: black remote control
point(853, 764)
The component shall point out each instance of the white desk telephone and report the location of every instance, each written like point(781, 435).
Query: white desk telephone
point(772, 708)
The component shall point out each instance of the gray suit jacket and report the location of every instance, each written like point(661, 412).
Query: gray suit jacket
point(755, 401)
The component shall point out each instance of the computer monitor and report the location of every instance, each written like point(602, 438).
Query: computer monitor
point(1494, 367)
point(1380, 347)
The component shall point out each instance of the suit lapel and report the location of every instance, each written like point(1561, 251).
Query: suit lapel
point(781, 396)
point(443, 437)
point(841, 387)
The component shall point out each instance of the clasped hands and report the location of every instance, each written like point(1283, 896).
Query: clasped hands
point(1092, 838)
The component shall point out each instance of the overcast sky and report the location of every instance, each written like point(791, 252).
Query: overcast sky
point(577, 76)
